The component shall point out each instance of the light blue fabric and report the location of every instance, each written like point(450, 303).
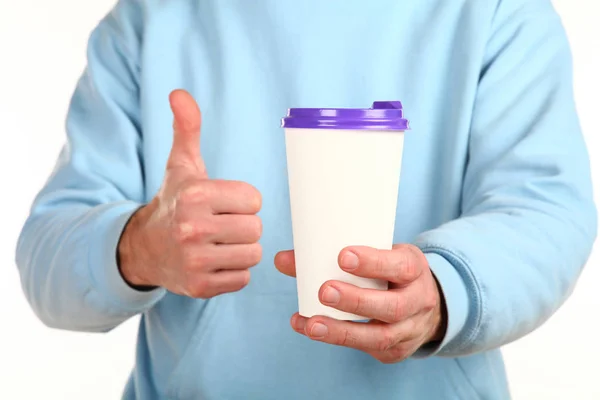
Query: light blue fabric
point(495, 184)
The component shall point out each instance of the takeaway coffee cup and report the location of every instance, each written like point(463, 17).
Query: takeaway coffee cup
point(344, 172)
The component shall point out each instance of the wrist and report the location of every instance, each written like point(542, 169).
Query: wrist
point(130, 251)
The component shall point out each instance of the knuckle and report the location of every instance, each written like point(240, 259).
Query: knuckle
point(182, 231)
point(431, 300)
point(235, 284)
point(407, 263)
point(414, 329)
point(252, 227)
point(361, 304)
point(205, 229)
point(404, 267)
point(199, 289)
point(252, 195)
point(192, 193)
point(395, 309)
point(401, 352)
point(255, 199)
point(386, 341)
point(257, 227)
point(386, 358)
point(244, 279)
point(415, 250)
point(380, 263)
point(391, 357)
point(411, 268)
point(185, 229)
point(346, 339)
point(255, 253)
point(194, 263)
point(417, 260)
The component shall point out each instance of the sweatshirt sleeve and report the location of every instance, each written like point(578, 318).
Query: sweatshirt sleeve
point(66, 253)
point(528, 219)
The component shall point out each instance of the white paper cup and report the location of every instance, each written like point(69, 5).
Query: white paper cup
point(344, 171)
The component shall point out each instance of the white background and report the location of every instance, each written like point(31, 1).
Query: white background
point(42, 53)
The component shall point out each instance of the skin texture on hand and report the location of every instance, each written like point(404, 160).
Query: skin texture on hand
point(198, 237)
point(402, 319)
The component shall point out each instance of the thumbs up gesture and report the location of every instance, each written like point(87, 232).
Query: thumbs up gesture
point(198, 237)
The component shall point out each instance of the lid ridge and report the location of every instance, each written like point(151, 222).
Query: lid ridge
point(383, 115)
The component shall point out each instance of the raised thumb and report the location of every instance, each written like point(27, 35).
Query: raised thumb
point(187, 121)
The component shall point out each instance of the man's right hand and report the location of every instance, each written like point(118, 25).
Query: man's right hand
point(198, 237)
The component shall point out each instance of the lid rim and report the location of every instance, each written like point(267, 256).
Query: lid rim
point(384, 115)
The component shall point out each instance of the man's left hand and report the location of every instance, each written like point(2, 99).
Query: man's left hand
point(402, 319)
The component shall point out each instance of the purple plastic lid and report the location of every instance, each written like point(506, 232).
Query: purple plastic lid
point(383, 116)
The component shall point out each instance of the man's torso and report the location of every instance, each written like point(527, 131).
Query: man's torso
point(246, 63)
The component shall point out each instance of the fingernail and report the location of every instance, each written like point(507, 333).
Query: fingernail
point(330, 296)
point(349, 261)
point(318, 331)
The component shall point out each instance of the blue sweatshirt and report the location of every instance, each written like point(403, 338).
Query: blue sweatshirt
point(495, 185)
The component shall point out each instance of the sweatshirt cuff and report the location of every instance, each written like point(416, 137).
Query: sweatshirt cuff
point(456, 298)
point(105, 272)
